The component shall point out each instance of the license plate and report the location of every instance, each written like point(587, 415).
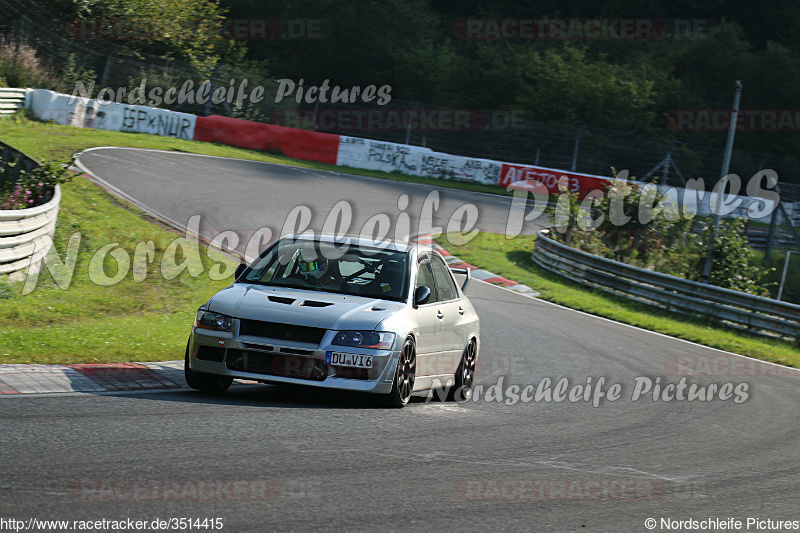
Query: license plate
point(348, 359)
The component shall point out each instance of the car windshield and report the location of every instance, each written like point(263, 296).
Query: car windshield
point(328, 267)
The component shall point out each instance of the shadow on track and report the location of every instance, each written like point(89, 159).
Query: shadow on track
point(280, 396)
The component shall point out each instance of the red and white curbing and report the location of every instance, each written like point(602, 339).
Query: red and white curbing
point(18, 379)
point(478, 273)
point(91, 377)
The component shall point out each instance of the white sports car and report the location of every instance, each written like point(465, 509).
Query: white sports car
point(342, 314)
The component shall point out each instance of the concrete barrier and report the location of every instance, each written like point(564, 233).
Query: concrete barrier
point(80, 112)
point(25, 234)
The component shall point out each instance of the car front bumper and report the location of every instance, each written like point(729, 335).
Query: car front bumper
point(216, 353)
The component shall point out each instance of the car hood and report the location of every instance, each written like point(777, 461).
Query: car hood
point(301, 307)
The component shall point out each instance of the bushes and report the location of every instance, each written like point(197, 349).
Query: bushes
point(640, 227)
point(34, 187)
point(20, 66)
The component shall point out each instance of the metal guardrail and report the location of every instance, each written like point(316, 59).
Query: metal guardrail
point(783, 240)
point(25, 234)
point(755, 314)
point(12, 100)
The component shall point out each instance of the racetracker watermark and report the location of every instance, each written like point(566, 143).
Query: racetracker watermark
point(720, 119)
point(183, 490)
point(549, 490)
point(579, 29)
point(400, 119)
point(724, 365)
point(239, 29)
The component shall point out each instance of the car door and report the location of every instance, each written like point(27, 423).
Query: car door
point(453, 312)
point(429, 340)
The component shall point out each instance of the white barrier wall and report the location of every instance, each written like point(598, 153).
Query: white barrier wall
point(26, 237)
point(414, 160)
point(418, 161)
point(84, 113)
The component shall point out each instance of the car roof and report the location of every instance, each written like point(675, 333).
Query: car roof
point(358, 241)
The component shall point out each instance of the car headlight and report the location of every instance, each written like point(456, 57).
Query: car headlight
point(376, 340)
point(213, 321)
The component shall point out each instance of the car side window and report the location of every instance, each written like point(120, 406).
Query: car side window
point(444, 281)
point(425, 278)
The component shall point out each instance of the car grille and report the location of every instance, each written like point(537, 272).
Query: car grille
point(276, 365)
point(274, 330)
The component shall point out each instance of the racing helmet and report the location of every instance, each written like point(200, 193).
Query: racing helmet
point(315, 268)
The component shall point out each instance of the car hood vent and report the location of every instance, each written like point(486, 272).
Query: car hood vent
point(312, 303)
point(281, 300)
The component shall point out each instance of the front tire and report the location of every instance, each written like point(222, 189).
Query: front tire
point(404, 376)
point(204, 381)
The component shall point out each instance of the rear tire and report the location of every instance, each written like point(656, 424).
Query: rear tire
point(465, 375)
point(404, 374)
point(204, 381)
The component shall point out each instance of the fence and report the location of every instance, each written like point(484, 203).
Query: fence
point(25, 234)
point(757, 315)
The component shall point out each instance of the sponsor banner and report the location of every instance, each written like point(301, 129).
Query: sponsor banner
point(415, 160)
point(576, 183)
point(80, 112)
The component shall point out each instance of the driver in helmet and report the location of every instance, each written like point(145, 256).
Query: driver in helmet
point(318, 272)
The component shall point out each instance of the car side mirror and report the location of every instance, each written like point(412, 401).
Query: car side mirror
point(422, 295)
point(239, 270)
point(467, 272)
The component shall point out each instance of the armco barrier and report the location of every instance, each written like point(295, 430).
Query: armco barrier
point(298, 144)
point(761, 316)
point(25, 234)
point(12, 100)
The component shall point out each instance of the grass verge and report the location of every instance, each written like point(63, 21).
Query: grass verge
point(127, 321)
point(511, 259)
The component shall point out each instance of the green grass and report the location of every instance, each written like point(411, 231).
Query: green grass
point(791, 288)
point(128, 321)
point(511, 259)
